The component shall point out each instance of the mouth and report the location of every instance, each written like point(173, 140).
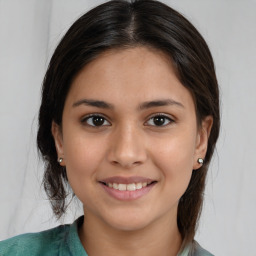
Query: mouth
point(127, 188)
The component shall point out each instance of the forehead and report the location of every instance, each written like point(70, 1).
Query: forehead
point(138, 74)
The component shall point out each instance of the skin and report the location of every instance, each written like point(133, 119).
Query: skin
point(129, 143)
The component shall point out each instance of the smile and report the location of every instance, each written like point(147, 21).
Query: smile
point(127, 187)
point(131, 188)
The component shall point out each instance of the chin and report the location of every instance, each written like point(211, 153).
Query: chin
point(129, 226)
point(129, 222)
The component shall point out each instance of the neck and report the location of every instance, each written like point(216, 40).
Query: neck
point(159, 238)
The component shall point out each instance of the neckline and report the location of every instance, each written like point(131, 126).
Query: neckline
point(78, 249)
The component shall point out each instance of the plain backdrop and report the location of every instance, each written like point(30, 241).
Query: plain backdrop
point(30, 31)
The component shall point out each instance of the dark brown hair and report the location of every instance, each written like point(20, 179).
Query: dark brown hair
point(124, 24)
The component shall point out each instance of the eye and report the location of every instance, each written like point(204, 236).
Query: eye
point(95, 120)
point(159, 120)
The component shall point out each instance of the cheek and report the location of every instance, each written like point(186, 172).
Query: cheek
point(82, 156)
point(177, 152)
point(175, 158)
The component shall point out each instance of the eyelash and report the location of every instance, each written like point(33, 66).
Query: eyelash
point(88, 117)
point(164, 116)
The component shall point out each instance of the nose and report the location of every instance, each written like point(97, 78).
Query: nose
point(127, 147)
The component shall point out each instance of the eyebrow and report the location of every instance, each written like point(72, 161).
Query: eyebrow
point(160, 103)
point(144, 105)
point(94, 103)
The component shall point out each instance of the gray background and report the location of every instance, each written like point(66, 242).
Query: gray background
point(29, 32)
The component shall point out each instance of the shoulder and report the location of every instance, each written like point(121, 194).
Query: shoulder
point(41, 243)
point(194, 249)
point(199, 251)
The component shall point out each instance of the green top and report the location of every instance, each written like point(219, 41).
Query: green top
point(62, 241)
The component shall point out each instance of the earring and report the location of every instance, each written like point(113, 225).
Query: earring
point(60, 160)
point(200, 161)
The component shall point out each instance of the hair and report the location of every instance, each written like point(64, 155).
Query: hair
point(121, 24)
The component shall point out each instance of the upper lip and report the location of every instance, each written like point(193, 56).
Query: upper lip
point(126, 180)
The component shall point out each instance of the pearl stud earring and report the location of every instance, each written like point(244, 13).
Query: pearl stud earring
point(200, 161)
point(60, 160)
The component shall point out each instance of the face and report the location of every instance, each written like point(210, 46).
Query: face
point(129, 138)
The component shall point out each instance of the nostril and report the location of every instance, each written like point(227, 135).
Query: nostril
point(126, 164)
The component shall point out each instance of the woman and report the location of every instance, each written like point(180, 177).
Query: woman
point(129, 120)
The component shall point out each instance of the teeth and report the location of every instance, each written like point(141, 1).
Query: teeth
point(131, 187)
point(122, 187)
point(127, 187)
point(138, 185)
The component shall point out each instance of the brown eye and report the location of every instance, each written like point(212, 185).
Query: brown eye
point(96, 121)
point(159, 120)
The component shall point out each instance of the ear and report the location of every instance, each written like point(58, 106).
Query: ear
point(202, 140)
point(57, 135)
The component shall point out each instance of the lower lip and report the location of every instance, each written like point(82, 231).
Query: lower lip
point(128, 195)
